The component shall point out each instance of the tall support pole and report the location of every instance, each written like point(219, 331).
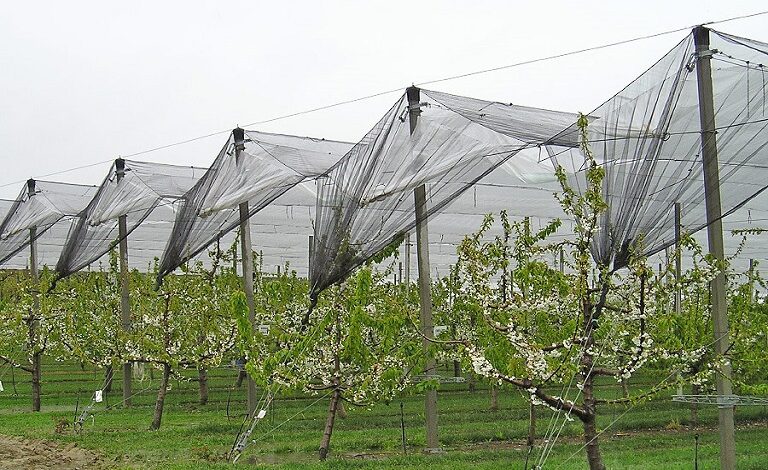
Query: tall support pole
point(678, 258)
point(34, 318)
point(246, 250)
point(678, 273)
point(125, 302)
point(311, 253)
point(715, 239)
point(425, 286)
point(407, 261)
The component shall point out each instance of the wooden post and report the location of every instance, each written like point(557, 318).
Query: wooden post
point(425, 286)
point(34, 317)
point(125, 302)
point(715, 239)
point(246, 251)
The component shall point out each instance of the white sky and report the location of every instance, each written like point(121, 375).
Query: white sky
point(83, 82)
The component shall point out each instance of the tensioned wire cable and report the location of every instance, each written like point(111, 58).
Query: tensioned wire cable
point(399, 89)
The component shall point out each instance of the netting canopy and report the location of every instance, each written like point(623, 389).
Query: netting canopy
point(49, 204)
point(648, 139)
point(145, 189)
point(366, 201)
point(269, 165)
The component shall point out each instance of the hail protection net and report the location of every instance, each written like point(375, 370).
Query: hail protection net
point(45, 211)
point(267, 167)
point(366, 201)
point(648, 139)
point(145, 195)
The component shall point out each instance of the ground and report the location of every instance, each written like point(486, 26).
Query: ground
point(655, 434)
point(18, 453)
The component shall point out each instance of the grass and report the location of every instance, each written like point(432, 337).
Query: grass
point(653, 434)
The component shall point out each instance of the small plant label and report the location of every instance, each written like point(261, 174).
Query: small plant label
point(264, 329)
point(439, 329)
point(1, 386)
point(98, 396)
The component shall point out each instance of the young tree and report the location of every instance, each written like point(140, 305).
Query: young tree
point(533, 327)
point(28, 320)
point(358, 344)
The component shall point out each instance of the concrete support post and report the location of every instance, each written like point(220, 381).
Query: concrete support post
point(715, 239)
point(125, 300)
point(425, 285)
point(246, 251)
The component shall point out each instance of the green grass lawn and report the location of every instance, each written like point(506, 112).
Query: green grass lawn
point(650, 435)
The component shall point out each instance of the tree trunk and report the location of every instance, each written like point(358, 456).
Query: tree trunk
point(471, 383)
point(160, 402)
point(202, 375)
point(241, 375)
point(108, 374)
point(624, 389)
point(456, 369)
point(494, 398)
point(594, 458)
point(694, 407)
point(341, 410)
point(325, 444)
point(531, 426)
point(36, 365)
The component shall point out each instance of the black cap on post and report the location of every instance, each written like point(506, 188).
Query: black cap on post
point(239, 135)
point(119, 168)
point(413, 93)
point(30, 186)
point(701, 35)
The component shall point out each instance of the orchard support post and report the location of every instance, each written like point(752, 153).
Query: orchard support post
point(34, 318)
point(715, 241)
point(425, 286)
point(246, 251)
point(678, 258)
point(311, 253)
point(678, 271)
point(407, 262)
point(125, 302)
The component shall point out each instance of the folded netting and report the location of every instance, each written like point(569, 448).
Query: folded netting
point(49, 208)
point(366, 201)
point(648, 139)
point(270, 165)
point(148, 191)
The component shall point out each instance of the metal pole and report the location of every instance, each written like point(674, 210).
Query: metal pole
point(715, 239)
point(425, 286)
point(311, 253)
point(678, 258)
point(678, 274)
point(407, 262)
point(246, 251)
point(125, 302)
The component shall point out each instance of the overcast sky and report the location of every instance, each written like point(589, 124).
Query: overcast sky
point(84, 82)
